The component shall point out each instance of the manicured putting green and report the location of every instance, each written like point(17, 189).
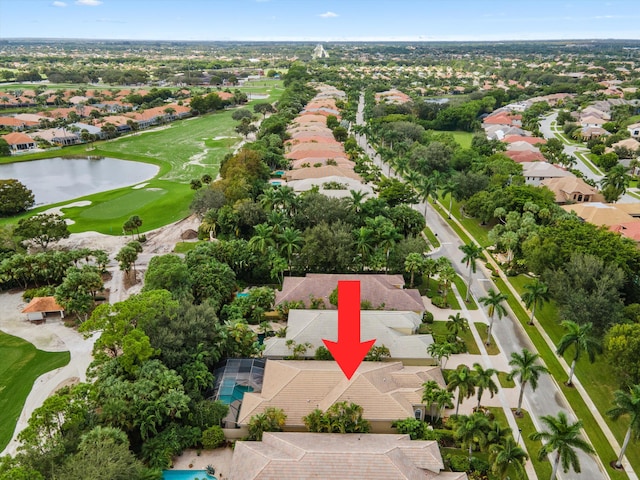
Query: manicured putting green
point(22, 363)
point(125, 205)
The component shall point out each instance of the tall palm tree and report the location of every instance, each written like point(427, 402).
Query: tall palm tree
point(441, 352)
point(430, 391)
point(484, 381)
point(563, 438)
point(472, 252)
point(448, 188)
point(290, 241)
point(526, 368)
point(462, 380)
point(364, 243)
point(471, 430)
point(426, 188)
point(580, 337)
point(493, 302)
point(627, 404)
point(446, 274)
point(507, 454)
point(412, 264)
point(355, 200)
point(537, 293)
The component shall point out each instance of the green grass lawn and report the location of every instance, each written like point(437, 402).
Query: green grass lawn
point(504, 381)
point(433, 240)
point(542, 468)
point(461, 285)
point(21, 364)
point(185, 247)
point(482, 330)
point(431, 289)
point(463, 138)
point(440, 332)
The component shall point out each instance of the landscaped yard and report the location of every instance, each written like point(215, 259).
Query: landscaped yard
point(21, 365)
point(440, 332)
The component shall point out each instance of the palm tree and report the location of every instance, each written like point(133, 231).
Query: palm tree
point(441, 351)
point(430, 268)
point(506, 454)
point(472, 252)
point(430, 391)
point(462, 380)
point(484, 381)
point(355, 200)
point(262, 238)
point(457, 324)
point(526, 368)
point(493, 302)
point(364, 243)
point(446, 275)
point(471, 430)
point(426, 188)
point(447, 189)
point(563, 438)
point(580, 337)
point(290, 242)
point(627, 404)
point(412, 264)
point(537, 293)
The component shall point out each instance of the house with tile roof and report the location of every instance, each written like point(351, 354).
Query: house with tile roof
point(379, 290)
point(19, 142)
point(396, 330)
point(599, 213)
point(535, 172)
point(629, 230)
point(335, 455)
point(16, 124)
point(572, 190)
point(387, 391)
point(634, 130)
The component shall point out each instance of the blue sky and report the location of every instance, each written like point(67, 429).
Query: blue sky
point(326, 20)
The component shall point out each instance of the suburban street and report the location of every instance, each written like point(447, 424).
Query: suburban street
point(508, 333)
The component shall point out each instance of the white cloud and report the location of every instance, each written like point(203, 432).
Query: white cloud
point(59, 4)
point(88, 3)
point(328, 15)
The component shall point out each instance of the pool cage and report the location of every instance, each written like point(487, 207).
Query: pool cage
point(235, 377)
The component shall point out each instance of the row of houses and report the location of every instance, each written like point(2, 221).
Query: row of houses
point(317, 159)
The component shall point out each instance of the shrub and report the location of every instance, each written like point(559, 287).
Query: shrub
point(479, 465)
point(458, 463)
point(213, 437)
point(427, 317)
point(439, 301)
point(31, 293)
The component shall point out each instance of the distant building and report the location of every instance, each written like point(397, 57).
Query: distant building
point(319, 52)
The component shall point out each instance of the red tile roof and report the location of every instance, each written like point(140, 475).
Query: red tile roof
point(17, 138)
point(43, 304)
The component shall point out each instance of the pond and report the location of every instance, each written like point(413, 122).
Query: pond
point(58, 179)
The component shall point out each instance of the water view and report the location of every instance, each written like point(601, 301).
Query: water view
point(58, 179)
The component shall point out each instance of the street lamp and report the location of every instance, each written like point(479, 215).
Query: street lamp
point(519, 433)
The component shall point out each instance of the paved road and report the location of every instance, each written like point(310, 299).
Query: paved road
point(508, 333)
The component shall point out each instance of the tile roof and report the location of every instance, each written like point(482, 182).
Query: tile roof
point(543, 169)
point(375, 288)
point(385, 390)
point(565, 187)
point(18, 138)
point(630, 230)
point(521, 156)
point(321, 172)
point(340, 456)
point(43, 304)
point(599, 213)
point(523, 138)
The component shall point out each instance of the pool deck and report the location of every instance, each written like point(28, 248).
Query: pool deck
point(219, 458)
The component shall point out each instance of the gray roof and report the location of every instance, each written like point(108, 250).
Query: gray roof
point(395, 330)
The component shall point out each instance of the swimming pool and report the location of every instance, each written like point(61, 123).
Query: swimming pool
point(186, 475)
point(230, 391)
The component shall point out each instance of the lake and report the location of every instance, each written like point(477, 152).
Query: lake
point(58, 179)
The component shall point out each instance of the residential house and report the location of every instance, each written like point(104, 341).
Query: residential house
point(572, 190)
point(630, 230)
point(634, 130)
point(503, 118)
point(588, 133)
point(592, 121)
point(59, 136)
point(339, 456)
point(92, 129)
point(396, 330)
point(387, 391)
point(599, 213)
point(535, 172)
point(381, 291)
point(16, 124)
point(19, 141)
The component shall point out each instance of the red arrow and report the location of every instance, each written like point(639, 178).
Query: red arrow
point(348, 351)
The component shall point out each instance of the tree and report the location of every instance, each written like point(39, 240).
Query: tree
point(526, 368)
point(42, 229)
point(627, 404)
point(213, 437)
point(470, 430)
point(412, 264)
point(484, 381)
point(615, 182)
point(262, 238)
point(507, 454)
point(168, 272)
point(622, 346)
point(136, 222)
point(127, 257)
point(5, 149)
point(563, 438)
point(241, 114)
point(462, 380)
point(341, 417)
point(15, 197)
point(493, 302)
point(449, 188)
point(78, 290)
point(290, 242)
point(426, 188)
point(536, 294)
point(472, 252)
point(456, 324)
point(263, 108)
point(580, 337)
point(441, 351)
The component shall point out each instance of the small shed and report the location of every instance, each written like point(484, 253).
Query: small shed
point(39, 307)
